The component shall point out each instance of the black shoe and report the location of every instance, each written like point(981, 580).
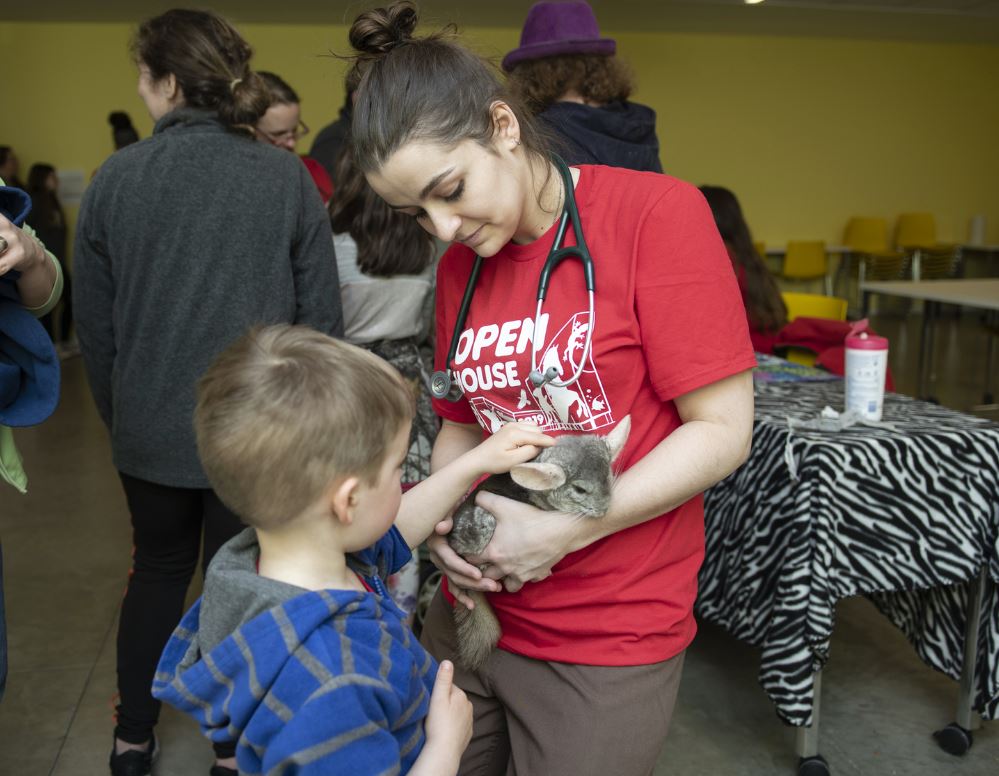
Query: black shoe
point(221, 770)
point(133, 762)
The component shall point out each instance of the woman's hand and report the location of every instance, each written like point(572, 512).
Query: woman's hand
point(527, 541)
point(26, 255)
point(23, 252)
point(461, 575)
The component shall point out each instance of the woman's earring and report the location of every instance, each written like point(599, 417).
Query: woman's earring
point(516, 141)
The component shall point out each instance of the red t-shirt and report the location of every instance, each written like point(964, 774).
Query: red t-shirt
point(669, 319)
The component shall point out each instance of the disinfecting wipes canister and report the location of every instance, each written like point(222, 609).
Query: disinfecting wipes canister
point(866, 365)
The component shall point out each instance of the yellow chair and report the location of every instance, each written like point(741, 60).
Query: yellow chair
point(866, 235)
point(761, 248)
point(915, 230)
point(916, 234)
point(814, 306)
point(811, 306)
point(867, 239)
point(807, 260)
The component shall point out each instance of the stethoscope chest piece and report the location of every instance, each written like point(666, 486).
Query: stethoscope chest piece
point(442, 387)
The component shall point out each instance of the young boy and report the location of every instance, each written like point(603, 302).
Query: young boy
point(295, 650)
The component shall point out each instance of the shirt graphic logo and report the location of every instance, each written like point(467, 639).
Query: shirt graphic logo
point(582, 406)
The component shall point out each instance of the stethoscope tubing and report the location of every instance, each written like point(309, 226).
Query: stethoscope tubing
point(440, 381)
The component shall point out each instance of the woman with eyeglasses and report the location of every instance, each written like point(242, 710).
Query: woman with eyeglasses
point(179, 250)
point(282, 126)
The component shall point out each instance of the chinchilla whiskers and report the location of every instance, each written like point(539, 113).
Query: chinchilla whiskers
point(586, 513)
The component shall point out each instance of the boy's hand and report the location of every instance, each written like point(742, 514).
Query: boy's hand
point(449, 722)
point(513, 444)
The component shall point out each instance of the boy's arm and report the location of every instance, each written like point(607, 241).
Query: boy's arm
point(430, 501)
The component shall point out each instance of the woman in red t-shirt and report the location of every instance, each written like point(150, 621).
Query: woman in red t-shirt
point(596, 614)
point(765, 309)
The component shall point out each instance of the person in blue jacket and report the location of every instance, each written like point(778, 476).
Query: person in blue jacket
point(30, 286)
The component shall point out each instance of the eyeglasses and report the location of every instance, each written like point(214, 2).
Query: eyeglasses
point(291, 134)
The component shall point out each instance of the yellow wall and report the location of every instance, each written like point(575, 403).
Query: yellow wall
point(807, 131)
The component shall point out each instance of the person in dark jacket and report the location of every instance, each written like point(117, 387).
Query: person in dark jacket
point(326, 147)
point(123, 133)
point(185, 240)
point(570, 77)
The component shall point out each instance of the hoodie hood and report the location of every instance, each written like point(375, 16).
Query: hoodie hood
point(253, 652)
point(619, 134)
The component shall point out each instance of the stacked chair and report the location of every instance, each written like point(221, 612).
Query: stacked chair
point(870, 257)
point(867, 239)
point(916, 236)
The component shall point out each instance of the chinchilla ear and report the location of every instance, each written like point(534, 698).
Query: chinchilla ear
point(616, 439)
point(538, 476)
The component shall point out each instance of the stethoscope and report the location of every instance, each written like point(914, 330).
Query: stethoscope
point(441, 385)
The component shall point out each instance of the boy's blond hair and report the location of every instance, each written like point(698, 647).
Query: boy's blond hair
point(284, 411)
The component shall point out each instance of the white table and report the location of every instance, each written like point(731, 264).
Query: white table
point(970, 292)
point(982, 293)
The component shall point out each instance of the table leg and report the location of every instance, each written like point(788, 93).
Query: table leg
point(966, 717)
point(806, 739)
point(924, 344)
point(991, 332)
point(956, 738)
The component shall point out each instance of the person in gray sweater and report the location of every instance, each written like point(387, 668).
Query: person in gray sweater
point(185, 240)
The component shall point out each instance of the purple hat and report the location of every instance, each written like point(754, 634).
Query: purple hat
point(554, 28)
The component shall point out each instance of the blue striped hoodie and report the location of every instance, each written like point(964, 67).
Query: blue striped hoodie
point(329, 682)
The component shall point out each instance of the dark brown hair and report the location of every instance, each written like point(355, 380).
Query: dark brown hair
point(210, 61)
point(597, 79)
point(430, 89)
point(765, 307)
point(281, 92)
point(46, 210)
point(388, 243)
point(122, 131)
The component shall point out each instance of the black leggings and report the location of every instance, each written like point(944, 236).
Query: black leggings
point(167, 528)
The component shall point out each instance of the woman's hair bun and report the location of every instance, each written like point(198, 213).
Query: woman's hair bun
point(378, 31)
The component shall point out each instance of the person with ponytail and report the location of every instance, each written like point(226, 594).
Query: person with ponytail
point(185, 240)
point(765, 309)
point(595, 613)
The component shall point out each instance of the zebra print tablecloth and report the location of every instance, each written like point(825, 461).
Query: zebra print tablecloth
point(905, 516)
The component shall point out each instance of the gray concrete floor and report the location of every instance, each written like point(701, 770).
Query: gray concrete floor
point(66, 555)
